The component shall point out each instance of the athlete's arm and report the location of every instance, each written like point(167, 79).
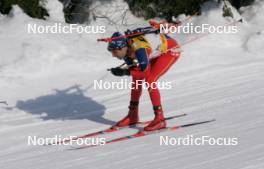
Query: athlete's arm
point(142, 57)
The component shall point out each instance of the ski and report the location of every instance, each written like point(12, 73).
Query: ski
point(112, 129)
point(145, 133)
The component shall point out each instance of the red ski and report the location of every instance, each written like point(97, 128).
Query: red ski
point(145, 133)
point(112, 129)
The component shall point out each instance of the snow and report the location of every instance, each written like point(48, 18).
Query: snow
point(47, 80)
point(54, 9)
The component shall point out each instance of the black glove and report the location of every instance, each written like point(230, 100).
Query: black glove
point(119, 72)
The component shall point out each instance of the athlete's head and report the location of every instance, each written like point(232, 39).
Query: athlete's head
point(118, 46)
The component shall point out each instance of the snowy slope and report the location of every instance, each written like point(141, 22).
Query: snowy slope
point(47, 81)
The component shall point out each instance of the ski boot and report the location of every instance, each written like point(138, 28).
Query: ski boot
point(158, 122)
point(131, 118)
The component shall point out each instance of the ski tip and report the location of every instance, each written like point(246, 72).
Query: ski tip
point(74, 148)
point(197, 123)
point(82, 147)
point(175, 116)
point(183, 114)
point(207, 121)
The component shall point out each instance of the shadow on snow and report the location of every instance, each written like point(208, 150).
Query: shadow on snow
point(66, 104)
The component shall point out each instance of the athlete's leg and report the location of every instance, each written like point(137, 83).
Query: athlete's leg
point(159, 67)
point(136, 90)
point(132, 116)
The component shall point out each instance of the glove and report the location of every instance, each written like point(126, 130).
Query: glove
point(119, 72)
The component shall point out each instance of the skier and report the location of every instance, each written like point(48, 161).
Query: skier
point(154, 55)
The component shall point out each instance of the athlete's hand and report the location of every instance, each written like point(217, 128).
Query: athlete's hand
point(119, 71)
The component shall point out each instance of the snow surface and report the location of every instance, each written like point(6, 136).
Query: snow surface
point(47, 80)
